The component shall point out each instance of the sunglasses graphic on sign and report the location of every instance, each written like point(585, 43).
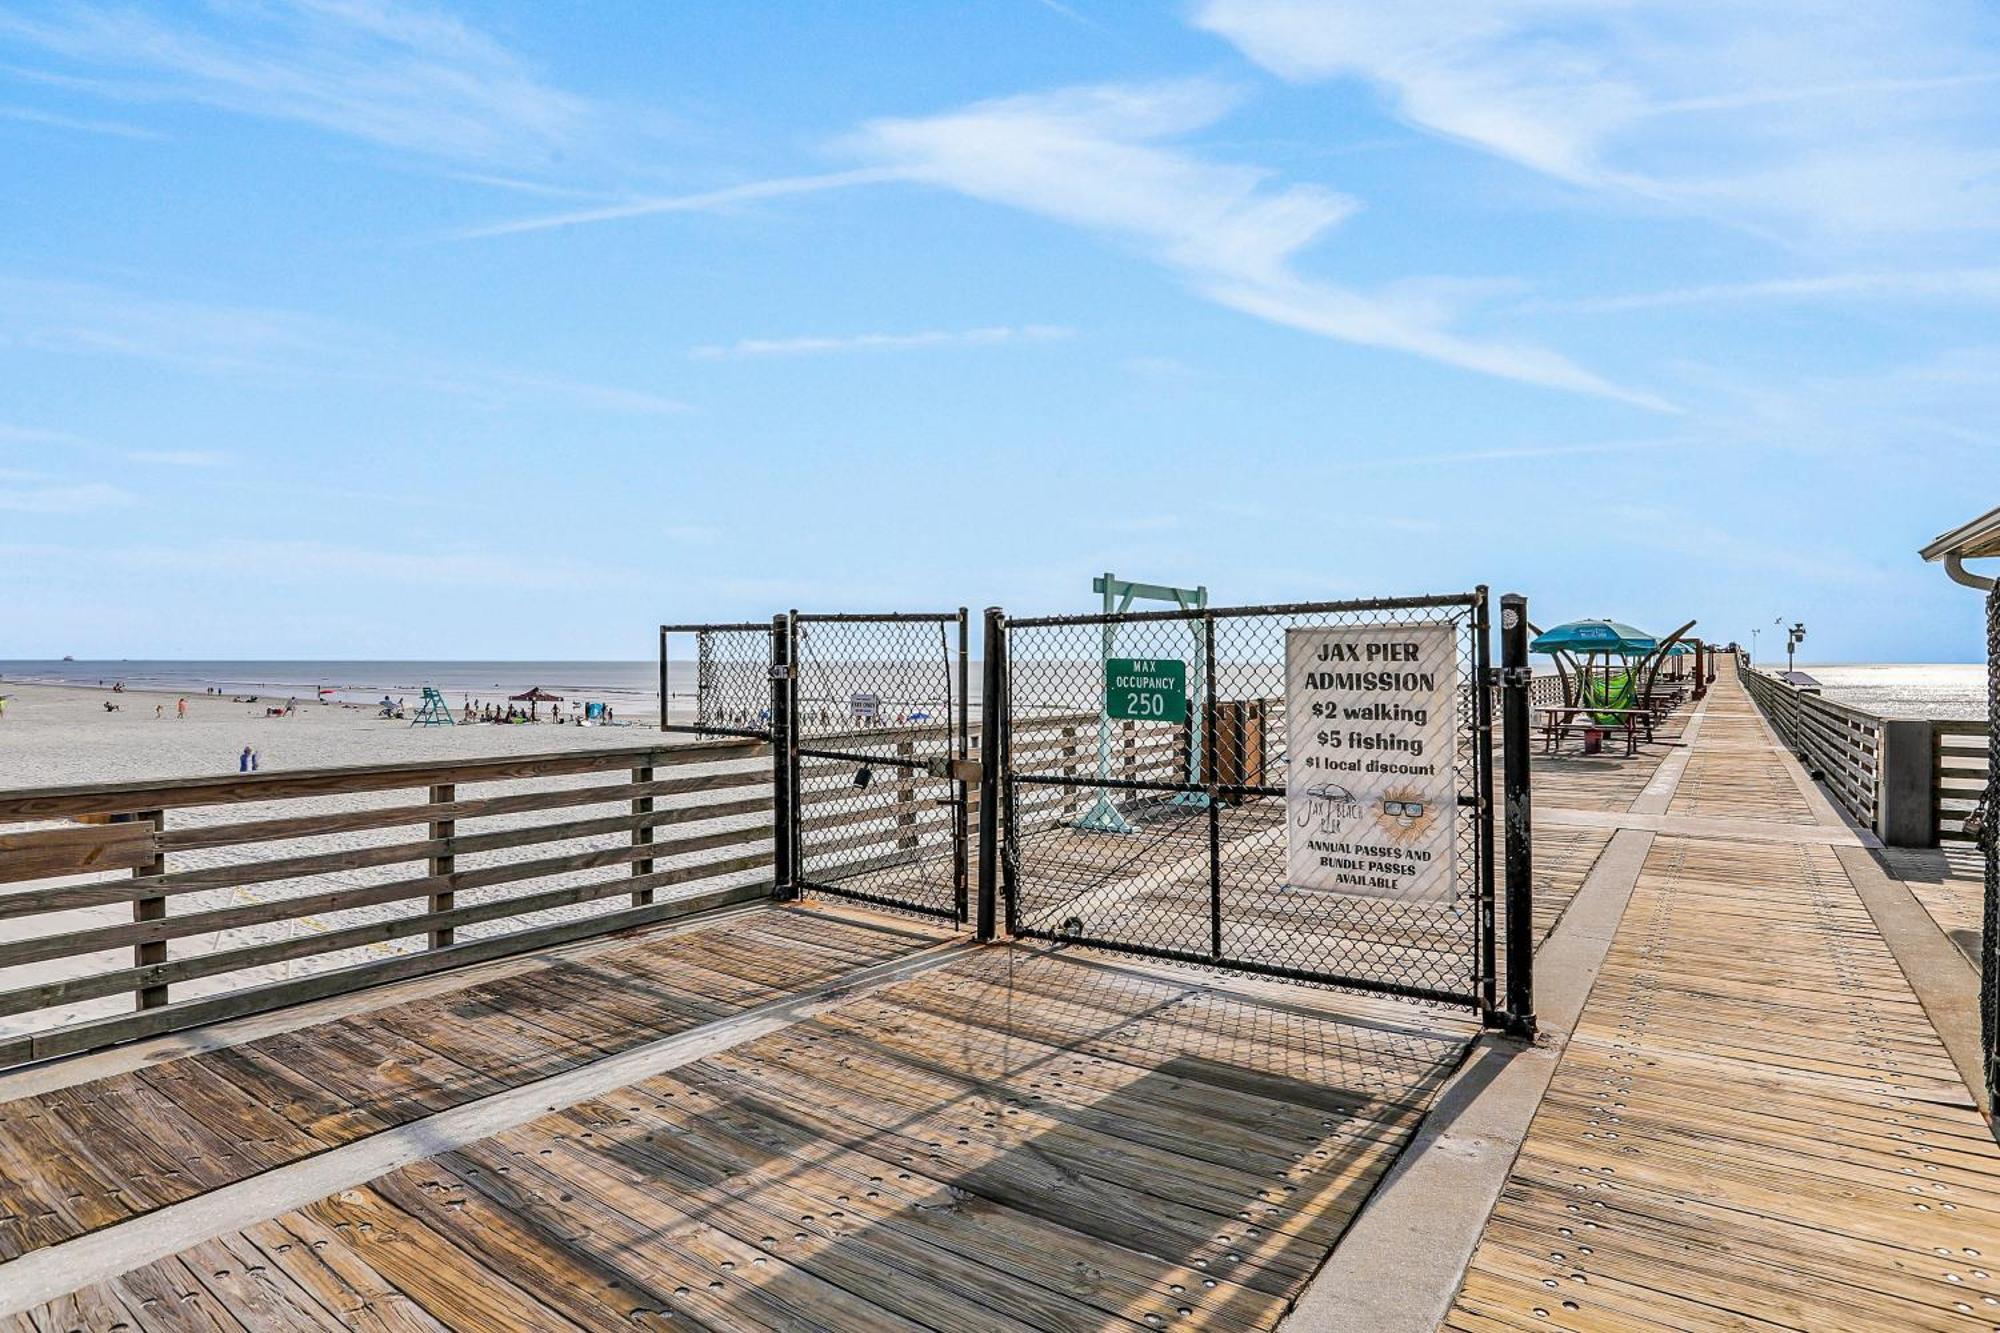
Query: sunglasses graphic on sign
point(1404, 809)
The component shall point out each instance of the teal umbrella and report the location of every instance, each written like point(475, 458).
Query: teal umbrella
point(1595, 636)
point(1589, 646)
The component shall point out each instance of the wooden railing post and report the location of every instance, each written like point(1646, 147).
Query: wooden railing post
point(906, 793)
point(148, 952)
point(443, 865)
point(642, 837)
point(1076, 798)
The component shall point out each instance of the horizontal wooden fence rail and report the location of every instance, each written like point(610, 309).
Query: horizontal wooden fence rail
point(1958, 778)
point(1912, 780)
point(1839, 745)
point(197, 896)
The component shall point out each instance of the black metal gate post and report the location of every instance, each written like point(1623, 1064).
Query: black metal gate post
point(961, 869)
point(784, 761)
point(1515, 684)
point(1210, 773)
point(992, 767)
point(1482, 733)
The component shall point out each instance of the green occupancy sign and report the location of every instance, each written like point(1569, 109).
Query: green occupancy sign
point(1145, 689)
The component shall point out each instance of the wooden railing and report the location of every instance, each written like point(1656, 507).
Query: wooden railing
point(171, 893)
point(1958, 777)
point(1840, 745)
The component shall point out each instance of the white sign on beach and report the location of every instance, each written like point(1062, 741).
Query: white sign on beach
point(1371, 722)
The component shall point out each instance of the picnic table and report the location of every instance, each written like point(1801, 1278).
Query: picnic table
point(1557, 723)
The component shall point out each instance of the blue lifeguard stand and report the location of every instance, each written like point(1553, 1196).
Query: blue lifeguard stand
point(434, 711)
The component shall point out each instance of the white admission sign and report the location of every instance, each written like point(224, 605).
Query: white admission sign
point(1371, 791)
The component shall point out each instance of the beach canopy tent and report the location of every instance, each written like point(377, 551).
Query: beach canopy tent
point(1607, 664)
point(534, 698)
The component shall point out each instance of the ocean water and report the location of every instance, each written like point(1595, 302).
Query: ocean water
point(1920, 689)
point(1939, 690)
point(623, 685)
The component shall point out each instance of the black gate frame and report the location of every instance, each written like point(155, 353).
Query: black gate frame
point(794, 745)
point(774, 628)
point(999, 862)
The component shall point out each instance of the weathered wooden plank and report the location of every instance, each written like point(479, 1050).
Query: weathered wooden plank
point(394, 816)
point(77, 849)
point(124, 797)
point(441, 849)
point(432, 922)
point(162, 928)
point(250, 1000)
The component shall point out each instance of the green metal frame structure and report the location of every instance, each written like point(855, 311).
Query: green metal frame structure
point(1119, 594)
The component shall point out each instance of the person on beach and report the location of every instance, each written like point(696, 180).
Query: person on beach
point(243, 761)
point(254, 758)
point(159, 711)
point(181, 708)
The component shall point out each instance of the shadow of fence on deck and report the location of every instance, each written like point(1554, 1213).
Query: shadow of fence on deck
point(1028, 1139)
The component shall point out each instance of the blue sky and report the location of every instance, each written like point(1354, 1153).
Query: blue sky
point(353, 328)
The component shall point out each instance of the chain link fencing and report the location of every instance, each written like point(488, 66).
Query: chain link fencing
point(715, 679)
point(1146, 762)
point(879, 714)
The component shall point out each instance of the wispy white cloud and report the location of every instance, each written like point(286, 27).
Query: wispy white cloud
point(38, 435)
point(81, 124)
point(1846, 117)
point(1662, 531)
point(1134, 525)
point(1975, 285)
point(179, 457)
point(62, 499)
point(1101, 159)
point(269, 562)
point(1523, 453)
point(402, 75)
point(886, 342)
point(705, 201)
point(274, 346)
point(1074, 15)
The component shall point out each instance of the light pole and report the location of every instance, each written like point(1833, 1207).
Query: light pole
point(1753, 643)
point(1793, 638)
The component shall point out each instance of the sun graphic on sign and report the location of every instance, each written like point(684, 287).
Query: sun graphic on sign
point(1404, 815)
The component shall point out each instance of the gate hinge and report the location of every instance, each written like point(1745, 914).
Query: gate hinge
point(1510, 676)
point(781, 671)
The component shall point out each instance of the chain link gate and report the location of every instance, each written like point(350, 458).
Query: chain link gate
point(732, 693)
point(1156, 823)
point(877, 733)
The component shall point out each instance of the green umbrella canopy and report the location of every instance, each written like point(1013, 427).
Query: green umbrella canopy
point(1595, 636)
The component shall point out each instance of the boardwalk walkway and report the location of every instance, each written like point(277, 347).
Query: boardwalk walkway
point(1754, 1124)
point(796, 1117)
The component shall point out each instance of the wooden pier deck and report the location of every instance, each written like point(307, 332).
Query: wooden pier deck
point(1754, 1124)
point(818, 1117)
point(965, 1138)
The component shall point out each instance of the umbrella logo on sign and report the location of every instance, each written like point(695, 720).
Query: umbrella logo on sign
point(1327, 809)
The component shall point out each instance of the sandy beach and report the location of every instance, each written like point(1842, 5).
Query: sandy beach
point(53, 735)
